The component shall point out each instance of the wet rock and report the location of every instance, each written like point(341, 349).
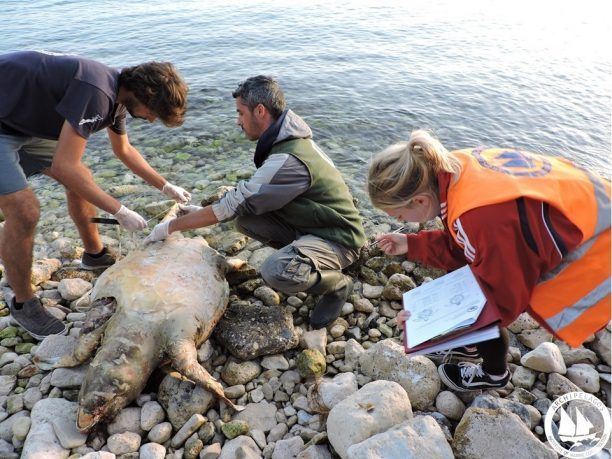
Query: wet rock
point(182, 399)
point(248, 331)
point(496, 433)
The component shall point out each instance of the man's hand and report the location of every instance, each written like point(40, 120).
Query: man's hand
point(176, 192)
point(159, 233)
point(129, 219)
point(393, 243)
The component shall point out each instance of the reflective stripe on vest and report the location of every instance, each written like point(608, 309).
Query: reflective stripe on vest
point(574, 298)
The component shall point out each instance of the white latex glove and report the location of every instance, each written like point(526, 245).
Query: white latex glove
point(176, 192)
point(187, 209)
point(129, 219)
point(159, 233)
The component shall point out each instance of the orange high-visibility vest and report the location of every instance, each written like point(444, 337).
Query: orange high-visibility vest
point(574, 298)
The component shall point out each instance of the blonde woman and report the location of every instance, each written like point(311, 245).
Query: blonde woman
point(534, 229)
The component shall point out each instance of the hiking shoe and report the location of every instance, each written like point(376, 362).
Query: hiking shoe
point(36, 320)
point(463, 353)
point(335, 288)
point(465, 376)
point(91, 262)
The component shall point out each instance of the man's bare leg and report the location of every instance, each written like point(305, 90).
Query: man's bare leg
point(21, 212)
point(81, 212)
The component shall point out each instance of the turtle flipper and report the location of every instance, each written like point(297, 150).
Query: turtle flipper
point(184, 360)
point(90, 337)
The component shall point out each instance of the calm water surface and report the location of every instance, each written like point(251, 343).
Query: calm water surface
point(534, 75)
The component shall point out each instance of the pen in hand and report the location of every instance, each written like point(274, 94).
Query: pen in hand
point(399, 230)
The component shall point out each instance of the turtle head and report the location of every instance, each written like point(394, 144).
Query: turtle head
point(108, 387)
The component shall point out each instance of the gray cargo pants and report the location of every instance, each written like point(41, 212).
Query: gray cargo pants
point(299, 258)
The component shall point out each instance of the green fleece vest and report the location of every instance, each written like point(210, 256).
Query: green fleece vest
point(326, 209)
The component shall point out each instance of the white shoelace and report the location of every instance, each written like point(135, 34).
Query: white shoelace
point(469, 371)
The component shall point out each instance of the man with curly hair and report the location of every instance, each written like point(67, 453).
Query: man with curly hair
point(49, 106)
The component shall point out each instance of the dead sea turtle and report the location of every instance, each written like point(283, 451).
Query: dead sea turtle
point(153, 307)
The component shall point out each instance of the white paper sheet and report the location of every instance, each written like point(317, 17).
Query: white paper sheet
point(445, 304)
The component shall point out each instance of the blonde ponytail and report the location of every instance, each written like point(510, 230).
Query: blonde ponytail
point(406, 169)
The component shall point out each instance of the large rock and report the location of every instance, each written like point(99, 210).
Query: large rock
point(397, 285)
point(416, 438)
point(493, 403)
point(601, 345)
point(584, 376)
point(53, 347)
point(250, 330)
point(259, 416)
point(417, 375)
point(333, 391)
point(496, 433)
point(235, 373)
point(182, 399)
point(42, 270)
point(546, 358)
point(41, 440)
point(373, 409)
point(240, 447)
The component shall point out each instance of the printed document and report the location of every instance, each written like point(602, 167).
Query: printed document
point(443, 305)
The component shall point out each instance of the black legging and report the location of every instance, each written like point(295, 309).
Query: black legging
point(493, 353)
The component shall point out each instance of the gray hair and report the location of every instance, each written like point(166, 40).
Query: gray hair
point(263, 90)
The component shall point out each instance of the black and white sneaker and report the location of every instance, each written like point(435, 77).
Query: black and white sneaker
point(465, 377)
point(100, 261)
point(462, 353)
